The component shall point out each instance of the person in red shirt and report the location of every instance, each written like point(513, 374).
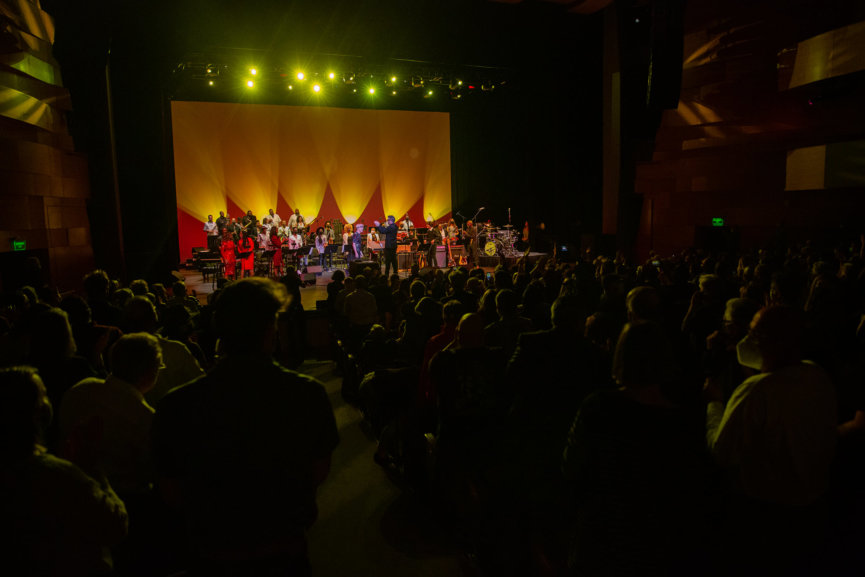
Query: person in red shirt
point(229, 261)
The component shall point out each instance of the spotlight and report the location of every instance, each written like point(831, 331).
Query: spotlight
point(250, 83)
point(371, 90)
point(253, 71)
point(331, 75)
point(393, 78)
point(209, 70)
point(290, 87)
point(394, 92)
point(459, 82)
point(316, 88)
point(301, 75)
point(210, 82)
point(430, 93)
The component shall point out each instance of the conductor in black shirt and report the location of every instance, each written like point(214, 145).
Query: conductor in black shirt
point(388, 231)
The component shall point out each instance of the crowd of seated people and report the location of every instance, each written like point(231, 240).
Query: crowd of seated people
point(698, 414)
point(82, 380)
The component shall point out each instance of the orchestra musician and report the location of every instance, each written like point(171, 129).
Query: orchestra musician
point(221, 223)
point(321, 244)
point(372, 243)
point(389, 233)
point(276, 247)
point(329, 233)
point(346, 242)
point(295, 243)
point(406, 225)
point(249, 223)
point(263, 238)
point(246, 253)
point(274, 218)
point(229, 259)
point(295, 220)
point(212, 230)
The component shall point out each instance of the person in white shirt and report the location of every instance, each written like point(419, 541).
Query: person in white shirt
point(295, 242)
point(264, 238)
point(274, 218)
point(407, 224)
point(212, 231)
point(295, 220)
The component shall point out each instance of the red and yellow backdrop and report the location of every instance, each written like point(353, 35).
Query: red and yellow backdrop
point(331, 163)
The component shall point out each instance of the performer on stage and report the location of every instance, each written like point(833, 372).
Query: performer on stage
point(274, 218)
point(406, 225)
point(389, 233)
point(294, 219)
point(246, 253)
point(321, 244)
point(263, 238)
point(357, 242)
point(329, 233)
point(276, 247)
point(295, 243)
point(373, 241)
point(229, 259)
point(249, 223)
point(212, 233)
point(346, 242)
point(452, 230)
point(221, 223)
point(470, 237)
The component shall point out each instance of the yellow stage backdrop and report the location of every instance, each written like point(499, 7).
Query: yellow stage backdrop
point(331, 163)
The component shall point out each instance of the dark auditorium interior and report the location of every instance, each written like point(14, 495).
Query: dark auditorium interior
point(645, 357)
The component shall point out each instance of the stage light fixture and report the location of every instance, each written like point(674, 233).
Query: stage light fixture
point(301, 75)
point(253, 71)
point(209, 70)
point(210, 82)
point(371, 90)
point(394, 92)
point(393, 78)
point(430, 93)
point(459, 82)
point(331, 75)
point(316, 88)
point(250, 83)
point(290, 87)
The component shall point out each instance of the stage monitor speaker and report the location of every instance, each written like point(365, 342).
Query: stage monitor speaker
point(307, 277)
point(313, 268)
point(356, 267)
point(441, 256)
point(404, 260)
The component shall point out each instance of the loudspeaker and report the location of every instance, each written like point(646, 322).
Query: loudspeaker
point(313, 268)
point(442, 256)
point(356, 267)
point(307, 277)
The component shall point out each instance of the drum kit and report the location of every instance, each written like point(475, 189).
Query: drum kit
point(498, 241)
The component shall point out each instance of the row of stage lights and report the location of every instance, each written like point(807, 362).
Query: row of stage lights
point(301, 81)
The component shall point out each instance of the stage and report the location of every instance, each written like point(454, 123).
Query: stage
point(313, 292)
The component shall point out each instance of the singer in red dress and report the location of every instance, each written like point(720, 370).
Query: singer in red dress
point(276, 246)
point(227, 250)
point(246, 253)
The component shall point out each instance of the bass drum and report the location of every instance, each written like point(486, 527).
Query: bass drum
point(492, 248)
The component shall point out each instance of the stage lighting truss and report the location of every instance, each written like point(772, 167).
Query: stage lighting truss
point(226, 76)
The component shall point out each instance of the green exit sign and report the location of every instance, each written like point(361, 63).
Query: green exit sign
point(19, 245)
point(717, 221)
